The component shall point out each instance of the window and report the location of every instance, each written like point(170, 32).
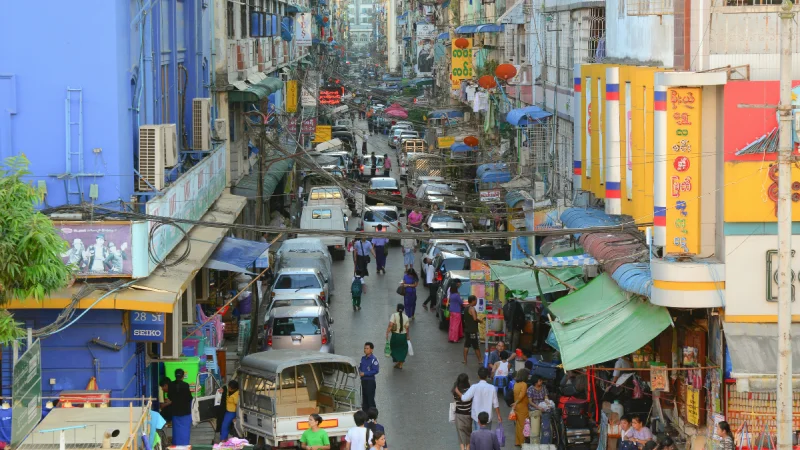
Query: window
point(290, 326)
point(325, 194)
point(164, 20)
point(297, 281)
point(380, 216)
point(229, 21)
point(387, 183)
point(662, 7)
point(321, 214)
point(242, 21)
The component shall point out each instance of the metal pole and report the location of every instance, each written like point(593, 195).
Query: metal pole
point(784, 404)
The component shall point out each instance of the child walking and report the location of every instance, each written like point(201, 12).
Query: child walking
point(356, 289)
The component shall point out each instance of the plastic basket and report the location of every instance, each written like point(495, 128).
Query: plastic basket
point(244, 336)
point(191, 368)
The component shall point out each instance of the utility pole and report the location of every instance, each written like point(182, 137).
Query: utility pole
point(785, 145)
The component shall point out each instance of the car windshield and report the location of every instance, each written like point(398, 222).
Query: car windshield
point(321, 214)
point(294, 302)
point(325, 194)
point(297, 281)
point(453, 248)
point(454, 264)
point(389, 183)
point(441, 189)
point(291, 326)
point(380, 216)
point(441, 218)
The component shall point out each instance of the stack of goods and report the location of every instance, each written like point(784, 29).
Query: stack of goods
point(576, 419)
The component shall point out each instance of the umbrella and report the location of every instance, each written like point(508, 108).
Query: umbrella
point(399, 113)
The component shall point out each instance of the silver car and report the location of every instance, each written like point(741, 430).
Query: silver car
point(446, 222)
point(299, 328)
point(300, 281)
point(396, 131)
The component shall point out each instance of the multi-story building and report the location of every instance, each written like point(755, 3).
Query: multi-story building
point(361, 14)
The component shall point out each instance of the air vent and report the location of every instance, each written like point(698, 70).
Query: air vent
point(201, 121)
point(151, 158)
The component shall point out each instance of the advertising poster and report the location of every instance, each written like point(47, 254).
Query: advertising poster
point(461, 64)
point(99, 249)
point(445, 141)
point(302, 30)
point(322, 134)
point(426, 39)
point(308, 95)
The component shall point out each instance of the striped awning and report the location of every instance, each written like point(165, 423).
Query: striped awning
point(551, 262)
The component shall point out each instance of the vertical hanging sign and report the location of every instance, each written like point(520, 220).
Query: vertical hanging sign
point(462, 64)
point(291, 96)
point(683, 133)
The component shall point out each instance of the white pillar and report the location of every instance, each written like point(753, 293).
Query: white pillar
point(660, 166)
point(612, 136)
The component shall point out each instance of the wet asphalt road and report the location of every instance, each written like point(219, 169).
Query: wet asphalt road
point(413, 402)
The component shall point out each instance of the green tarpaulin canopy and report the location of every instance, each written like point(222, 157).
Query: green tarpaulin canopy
point(518, 276)
point(599, 323)
point(256, 92)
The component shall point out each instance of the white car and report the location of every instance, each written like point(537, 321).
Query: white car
point(344, 123)
point(387, 216)
point(437, 246)
point(395, 133)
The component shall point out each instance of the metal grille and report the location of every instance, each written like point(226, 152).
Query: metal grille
point(536, 159)
point(649, 7)
point(597, 34)
point(147, 157)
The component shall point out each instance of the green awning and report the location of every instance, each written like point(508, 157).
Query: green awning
point(518, 276)
point(600, 323)
point(305, 62)
point(256, 92)
point(248, 186)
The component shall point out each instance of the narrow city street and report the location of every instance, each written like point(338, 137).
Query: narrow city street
point(413, 402)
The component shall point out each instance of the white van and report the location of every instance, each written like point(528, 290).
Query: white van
point(327, 195)
point(326, 217)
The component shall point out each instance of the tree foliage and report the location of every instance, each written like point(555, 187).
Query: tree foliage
point(30, 247)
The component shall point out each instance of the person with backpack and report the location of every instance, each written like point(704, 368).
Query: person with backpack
point(356, 290)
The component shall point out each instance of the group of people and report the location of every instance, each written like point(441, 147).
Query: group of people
point(367, 433)
point(372, 159)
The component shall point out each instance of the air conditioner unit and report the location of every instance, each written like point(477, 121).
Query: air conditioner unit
point(220, 130)
point(284, 77)
point(201, 122)
point(151, 158)
point(170, 131)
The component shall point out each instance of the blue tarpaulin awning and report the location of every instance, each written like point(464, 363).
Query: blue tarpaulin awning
point(236, 255)
point(513, 198)
point(443, 36)
point(496, 176)
point(483, 168)
point(439, 113)
point(466, 29)
point(526, 116)
point(291, 9)
point(490, 28)
point(461, 148)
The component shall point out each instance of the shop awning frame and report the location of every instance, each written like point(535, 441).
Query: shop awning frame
point(253, 92)
point(490, 28)
point(518, 275)
point(529, 115)
point(466, 29)
point(236, 255)
point(443, 36)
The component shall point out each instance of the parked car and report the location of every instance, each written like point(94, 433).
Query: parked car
point(381, 188)
point(285, 300)
point(425, 179)
point(397, 138)
point(300, 280)
point(396, 131)
point(442, 299)
point(388, 216)
point(304, 253)
point(299, 328)
point(446, 221)
point(344, 123)
point(365, 171)
point(445, 262)
point(326, 217)
point(437, 246)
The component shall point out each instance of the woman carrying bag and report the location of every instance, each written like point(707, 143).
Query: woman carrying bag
point(520, 405)
point(398, 343)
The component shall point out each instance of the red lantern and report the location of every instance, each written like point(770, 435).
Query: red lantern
point(472, 141)
point(325, 19)
point(505, 71)
point(487, 82)
point(461, 43)
point(330, 39)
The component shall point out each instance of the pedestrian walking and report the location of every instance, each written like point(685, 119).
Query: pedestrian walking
point(373, 166)
point(315, 438)
point(428, 269)
point(372, 423)
point(387, 165)
point(378, 440)
point(357, 290)
point(463, 411)
point(471, 322)
point(520, 405)
point(409, 247)
point(483, 438)
point(415, 220)
point(358, 436)
point(381, 245)
point(367, 369)
point(364, 147)
point(398, 343)
point(454, 307)
point(410, 282)
point(484, 399)
point(231, 403)
point(362, 248)
point(180, 394)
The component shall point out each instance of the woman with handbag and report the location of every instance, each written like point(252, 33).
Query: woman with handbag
point(520, 405)
point(462, 411)
point(398, 343)
point(410, 282)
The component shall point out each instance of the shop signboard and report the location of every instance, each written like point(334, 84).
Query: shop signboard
point(26, 391)
point(693, 406)
point(308, 94)
point(426, 38)
point(461, 68)
point(291, 96)
point(684, 155)
point(302, 30)
point(308, 126)
point(322, 133)
point(146, 326)
point(330, 96)
point(490, 195)
point(188, 198)
point(97, 249)
point(445, 141)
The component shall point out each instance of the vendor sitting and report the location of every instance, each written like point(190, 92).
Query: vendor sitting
point(638, 433)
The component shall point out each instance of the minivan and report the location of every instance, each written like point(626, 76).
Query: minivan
point(326, 217)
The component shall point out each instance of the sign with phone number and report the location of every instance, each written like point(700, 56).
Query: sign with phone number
point(684, 155)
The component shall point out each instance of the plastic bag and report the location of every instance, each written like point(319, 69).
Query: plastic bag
point(387, 349)
point(501, 436)
point(218, 397)
point(452, 415)
point(512, 415)
point(410, 349)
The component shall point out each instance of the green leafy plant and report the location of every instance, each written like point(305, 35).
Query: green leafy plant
point(30, 247)
point(488, 68)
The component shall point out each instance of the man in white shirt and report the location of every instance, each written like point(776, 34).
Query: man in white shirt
point(432, 287)
point(622, 363)
point(358, 436)
point(484, 398)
